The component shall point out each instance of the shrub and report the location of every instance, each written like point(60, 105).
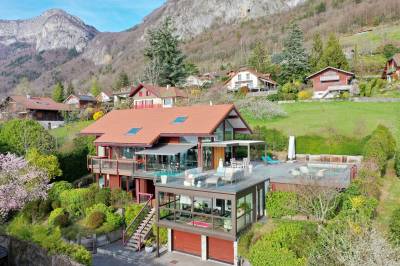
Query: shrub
point(98, 115)
point(344, 95)
point(95, 219)
point(275, 139)
point(55, 191)
point(305, 95)
point(49, 238)
point(112, 220)
point(119, 197)
point(37, 210)
point(163, 234)
point(397, 163)
point(103, 195)
point(394, 227)
point(280, 203)
point(58, 217)
point(75, 200)
point(289, 244)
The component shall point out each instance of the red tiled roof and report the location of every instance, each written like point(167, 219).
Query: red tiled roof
point(331, 68)
point(162, 92)
point(40, 103)
point(201, 120)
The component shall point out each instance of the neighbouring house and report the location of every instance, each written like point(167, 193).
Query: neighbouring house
point(81, 101)
point(256, 82)
point(122, 96)
point(206, 184)
point(392, 69)
point(104, 97)
point(42, 109)
point(330, 82)
point(149, 96)
point(197, 81)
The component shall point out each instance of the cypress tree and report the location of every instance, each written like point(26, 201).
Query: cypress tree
point(316, 52)
point(294, 62)
point(333, 55)
point(58, 93)
point(260, 59)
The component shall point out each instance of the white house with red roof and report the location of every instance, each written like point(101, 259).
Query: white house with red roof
point(253, 80)
point(149, 96)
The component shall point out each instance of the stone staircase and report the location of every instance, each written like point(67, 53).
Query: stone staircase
point(136, 242)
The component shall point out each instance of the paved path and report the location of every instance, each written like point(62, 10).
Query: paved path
point(116, 254)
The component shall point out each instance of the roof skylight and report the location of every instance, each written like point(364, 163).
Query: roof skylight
point(133, 131)
point(179, 120)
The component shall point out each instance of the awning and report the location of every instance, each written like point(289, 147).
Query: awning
point(229, 143)
point(166, 149)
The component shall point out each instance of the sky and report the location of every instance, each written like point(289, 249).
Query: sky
point(105, 15)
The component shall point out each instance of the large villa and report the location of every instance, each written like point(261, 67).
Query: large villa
point(206, 182)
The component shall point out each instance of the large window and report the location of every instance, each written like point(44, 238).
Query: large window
point(203, 212)
point(244, 211)
point(219, 133)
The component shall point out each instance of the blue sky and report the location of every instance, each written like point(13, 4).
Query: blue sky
point(105, 15)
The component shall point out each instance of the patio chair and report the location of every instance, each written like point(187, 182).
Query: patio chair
point(213, 180)
point(233, 175)
point(304, 170)
point(269, 160)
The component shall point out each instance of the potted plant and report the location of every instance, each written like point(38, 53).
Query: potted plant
point(149, 245)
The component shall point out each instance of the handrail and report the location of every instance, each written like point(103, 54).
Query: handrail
point(140, 232)
point(125, 235)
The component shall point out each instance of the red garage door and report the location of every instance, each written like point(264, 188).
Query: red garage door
point(219, 249)
point(186, 242)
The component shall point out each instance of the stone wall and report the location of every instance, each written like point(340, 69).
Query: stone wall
point(24, 253)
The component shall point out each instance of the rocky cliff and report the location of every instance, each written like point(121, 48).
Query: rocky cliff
point(53, 29)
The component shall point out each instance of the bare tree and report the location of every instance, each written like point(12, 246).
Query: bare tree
point(316, 198)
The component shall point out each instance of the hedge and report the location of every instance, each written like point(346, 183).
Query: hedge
point(278, 203)
point(313, 144)
point(394, 227)
point(397, 163)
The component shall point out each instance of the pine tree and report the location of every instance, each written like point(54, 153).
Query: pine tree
point(122, 80)
point(333, 55)
point(316, 52)
point(70, 90)
point(294, 64)
point(95, 88)
point(166, 61)
point(58, 93)
point(260, 59)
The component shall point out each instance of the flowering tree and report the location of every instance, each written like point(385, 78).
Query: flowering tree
point(20, 183)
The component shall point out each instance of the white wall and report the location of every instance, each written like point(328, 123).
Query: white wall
point(253, 78)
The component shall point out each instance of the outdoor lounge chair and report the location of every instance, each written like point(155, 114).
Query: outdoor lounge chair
point(213, 180)
point(269, 160)
point(233, 175)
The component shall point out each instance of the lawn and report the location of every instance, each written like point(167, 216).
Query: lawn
point(389, 200)
point(64, 135)
point(324, 118)
point(368, 41)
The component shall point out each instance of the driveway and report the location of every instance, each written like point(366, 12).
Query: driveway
point(116, 254)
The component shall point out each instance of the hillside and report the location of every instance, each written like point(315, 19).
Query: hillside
point(220, 36)
point(30, 47)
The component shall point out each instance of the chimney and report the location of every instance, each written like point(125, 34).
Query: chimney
point(168, 87)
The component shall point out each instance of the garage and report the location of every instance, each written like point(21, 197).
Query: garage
point(220, 250)
point(186, 242)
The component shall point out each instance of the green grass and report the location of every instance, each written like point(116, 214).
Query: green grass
point(389, 200)
point(65, 135)
point(355, 120)
point(369, 41)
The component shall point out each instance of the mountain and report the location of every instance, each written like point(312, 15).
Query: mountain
point(216, 35)
point(33, 46)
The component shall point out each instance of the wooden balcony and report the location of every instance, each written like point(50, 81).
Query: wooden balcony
point(101, 165)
